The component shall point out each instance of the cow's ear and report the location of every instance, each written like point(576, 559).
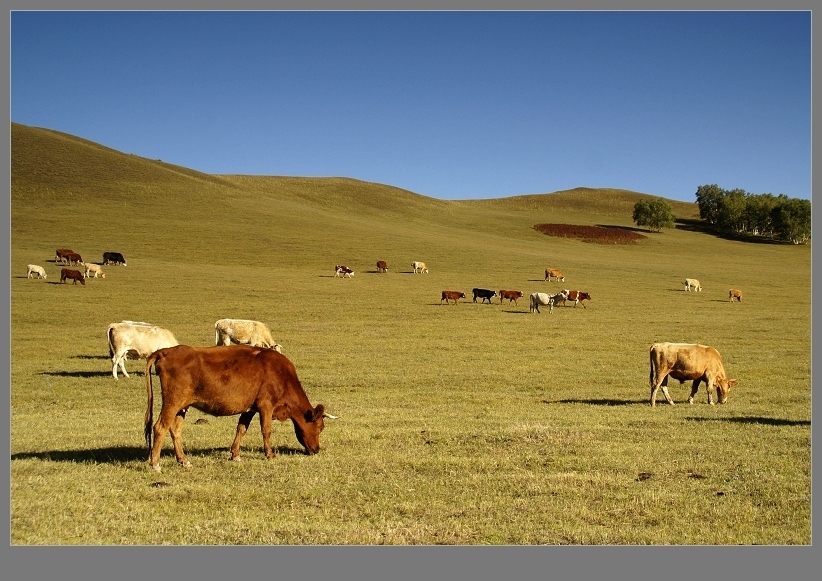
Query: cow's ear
point(733, 382)
point(317, 413)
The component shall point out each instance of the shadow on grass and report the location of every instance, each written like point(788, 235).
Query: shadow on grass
point(694, 225)
point(755, 420)
point(79, 373)
point(106, 357)
point(118, 454)
point(517, 312)
point(603, 402)
point(630, 228)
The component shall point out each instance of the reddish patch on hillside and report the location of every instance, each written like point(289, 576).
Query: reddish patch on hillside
point(597, 234)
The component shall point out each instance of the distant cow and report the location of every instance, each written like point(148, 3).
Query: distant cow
point(554, 273)
point(511, 295)
point(343, 271)
point(73, 258)
point(692, 283)
point(244, 332)
point(734, 293)
point(545, 299)
point(114, 258)
point(34, 269)
point(684, 361)
point(135, 340)
point(60, 254)
point(484, 294)
point(451, 295)
point(95, 270)
point(75, 275)
point(419, 266)
point(576, 296)
point(227, 381)
point(382, 266)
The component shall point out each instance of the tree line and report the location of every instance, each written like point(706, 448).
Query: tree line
point(736, 212)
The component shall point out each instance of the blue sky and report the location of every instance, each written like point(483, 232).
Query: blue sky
point(445, 104)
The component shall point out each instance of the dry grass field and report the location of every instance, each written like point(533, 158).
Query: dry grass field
point(459, 424)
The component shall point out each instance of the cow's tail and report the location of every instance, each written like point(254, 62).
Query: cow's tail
point(652, 366)
point(150, 405)
point(110, 343)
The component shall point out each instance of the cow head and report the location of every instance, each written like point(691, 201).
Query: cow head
point(308, 432)
point(723, 388)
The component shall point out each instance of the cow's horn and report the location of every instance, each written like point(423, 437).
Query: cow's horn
point(327, 415)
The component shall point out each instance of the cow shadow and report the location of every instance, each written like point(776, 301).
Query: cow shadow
point(91, 357)
point(77, 373)
point(600, 401)
point(517, 312)
point(755, 420)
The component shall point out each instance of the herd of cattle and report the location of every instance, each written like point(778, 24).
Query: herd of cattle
point(245, 372)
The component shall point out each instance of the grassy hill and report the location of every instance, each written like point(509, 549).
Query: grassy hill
point(467, 424)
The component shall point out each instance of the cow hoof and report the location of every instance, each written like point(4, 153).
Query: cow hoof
point(711, 403)
point(234, 458)
point(156, 468)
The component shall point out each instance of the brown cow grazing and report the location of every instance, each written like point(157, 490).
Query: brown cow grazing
point(75, 275)
point(734, 293)
point(60, 255)
point(226, 381)
point(684, 361)
point(576, 296)
point(382, 266)
point(451, 295)
point(73, 258)
point(554, 273)
point(511, 295)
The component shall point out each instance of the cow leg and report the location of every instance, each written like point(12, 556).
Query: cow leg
point(265, 426)
point(709, 386)
point(161, 427)
point(242, 428)
point(694, 388)
point(177, 437)
point(655, 385)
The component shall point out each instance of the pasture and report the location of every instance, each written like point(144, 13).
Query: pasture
point(459, 424)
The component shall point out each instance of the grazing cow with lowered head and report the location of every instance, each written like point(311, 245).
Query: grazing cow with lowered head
point(34, 269)
point(114, 258)
point(484, 294)
point(60, 255)
point(73, 258)
point(382, 266)
point(75, 275)
point(419, 267)
point(343, 271)
point(576, 296)
point(734, 293)
point(554, 273)
point(511, 295)
point(227, 381)
point(545, 299)
point(692, 283)
point(684, 361)
point(135, 340)
point(244, 332)
point(451, 295)
point(94, 269)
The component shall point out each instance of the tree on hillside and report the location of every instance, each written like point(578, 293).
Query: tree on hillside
point(709, 199)
point(655, 214)
point(791, 219)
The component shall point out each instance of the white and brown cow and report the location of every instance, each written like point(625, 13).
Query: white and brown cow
point(244, 332)
point(136, 340)
point(343, 271)
point(576, 296)
point(382, 266)
point(684, 361)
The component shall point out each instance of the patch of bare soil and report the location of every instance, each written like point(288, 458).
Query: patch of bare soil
point(596, 234)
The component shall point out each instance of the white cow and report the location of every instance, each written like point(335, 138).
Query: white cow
point(94, 269)
point(419, 266)
point(692, 283)
point(34, 269)
point(137, 340)
point(245, 332)
point(544, 299)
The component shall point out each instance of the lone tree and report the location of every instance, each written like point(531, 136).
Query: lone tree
point(655, 214)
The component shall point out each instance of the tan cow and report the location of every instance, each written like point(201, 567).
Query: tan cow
point(684, 361)
point(734, 293)
point(419, 267)
point(692, 283)
point(34, 269)
point(244, 332)
point(136, 340)
point(94, 269)
point(554, 273)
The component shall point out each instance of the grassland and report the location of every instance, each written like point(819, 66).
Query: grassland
point(466, 424)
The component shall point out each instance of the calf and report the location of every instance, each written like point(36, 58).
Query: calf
point(451, 295)
point(554, 273)
point(34, 269)
point(734, 293)
point(576, 296)
point(684, 361)
point(75, 275)
point(227, 381)
point(343, 271)
point(484, 294)
point(511, 295)
point(692, 283)
point(94, 269)
point(382, 266)
point(545, 299)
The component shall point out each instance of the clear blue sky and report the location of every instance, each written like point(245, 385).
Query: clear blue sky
point(445, 104)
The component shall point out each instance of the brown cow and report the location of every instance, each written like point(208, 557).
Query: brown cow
point(382, 266)
point(451, 295)
point(684, 361)
point(576, 296)
point(554, 273)
point(61, 254)
point(73, 258)
point(226, 381)
point(511, 295)
point(75, 275)
point(734, 293)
